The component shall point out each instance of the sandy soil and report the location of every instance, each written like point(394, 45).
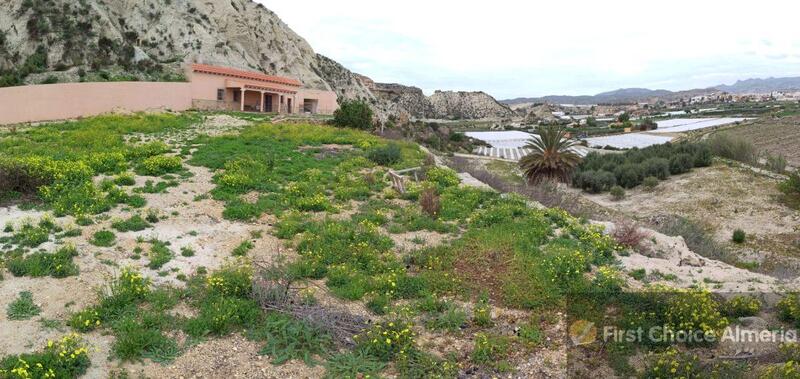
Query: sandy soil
point(722, 198)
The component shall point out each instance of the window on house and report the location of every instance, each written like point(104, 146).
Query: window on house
point(220, 94)
point(236, 95)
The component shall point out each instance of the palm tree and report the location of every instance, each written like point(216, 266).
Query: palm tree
point(553, 156)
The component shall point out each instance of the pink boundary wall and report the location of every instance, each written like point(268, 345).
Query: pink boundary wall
point(48, 102)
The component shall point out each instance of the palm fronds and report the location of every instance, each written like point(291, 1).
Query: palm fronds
point(553, 156)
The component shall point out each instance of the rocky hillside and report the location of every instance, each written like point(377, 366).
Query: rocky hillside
point(468, 105)
point(98, 40)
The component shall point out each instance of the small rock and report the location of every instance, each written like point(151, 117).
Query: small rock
point(692, 261)
point(756, 323)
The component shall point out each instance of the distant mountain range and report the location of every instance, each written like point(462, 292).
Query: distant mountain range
point(633, 95)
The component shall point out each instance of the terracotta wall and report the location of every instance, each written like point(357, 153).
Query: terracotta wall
point(47, 102)
point(326, 100)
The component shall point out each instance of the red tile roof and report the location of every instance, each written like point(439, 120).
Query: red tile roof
point(226, 71)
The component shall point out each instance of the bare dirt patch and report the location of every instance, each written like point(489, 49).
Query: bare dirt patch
point(723, 198)
point(228, 357)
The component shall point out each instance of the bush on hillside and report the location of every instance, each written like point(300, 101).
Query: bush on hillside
point(680, 164)
point(733, 147)
point(739, 236)
point(595, 181)
point(656, 167)
point(703, 156)
point(617, 193)
point(650, 182)
point(631, 167)
point(629, 175)
point(385, 155)
point(353, 114)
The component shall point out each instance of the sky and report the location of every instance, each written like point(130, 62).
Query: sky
point(567, 47)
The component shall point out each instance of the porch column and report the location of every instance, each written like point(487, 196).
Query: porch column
point(241, 99)
point(263, 102)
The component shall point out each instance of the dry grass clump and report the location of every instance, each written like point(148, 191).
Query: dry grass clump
point(429, 201)
point(628, 234)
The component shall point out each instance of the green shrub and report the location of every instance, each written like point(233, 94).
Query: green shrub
point(617, 193)
point(442, 177)
point(694, 311)
point(50, 363)
point(792, 184)
point(22, 308)
point(638, 274)
point(742, 306)
point(629, 175)
point(420, 364)
point(680, 164)
point(489, 350)
point(733, 147)
point(452, 318)
point(290, 224)
point(187, 251)
point(776, 163)
point(595, 181)
point(287, 338)
point(387, 339)
point(220, 315)
point(242, 249)
point(671, 363)
point(352, 365)
point(353, 114)
point(159, 255)
point(38, 264)
point(103, 238)
point(159, 165)
point(530, 334)
point(482, 312)
point(124, 179)
point(137, 338)
point(460, 202)
point(703, 157)
point(739, 236)
point(31, 236)
point(385, 155)
point(650, 182)
point(656, 167)
point(85, 320)
point(133, 224)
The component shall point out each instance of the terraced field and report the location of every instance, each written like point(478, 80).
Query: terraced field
point(775, 135)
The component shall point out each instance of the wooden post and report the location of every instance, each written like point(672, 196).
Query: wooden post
point(241, 99)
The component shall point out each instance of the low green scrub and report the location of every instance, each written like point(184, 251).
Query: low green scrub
point(385, 155)
point(742, 306)
point(103, 238)
point(159, 165)
point(159, 254)
point(67, 357)
point(23, 307)
point(287, 339)
point(133, 224)
point(600, 172)
point(242, 249)
point(58, 264)
point(352, 365)
point(57, 161)
point(490, 350)
point(285, 164)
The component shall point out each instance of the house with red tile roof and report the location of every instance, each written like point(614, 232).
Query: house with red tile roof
point(225, 88)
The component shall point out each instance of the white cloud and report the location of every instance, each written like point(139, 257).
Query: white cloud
point(526, 48)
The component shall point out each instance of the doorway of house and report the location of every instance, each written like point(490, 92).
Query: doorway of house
point(289, 105)
point(268, 103)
